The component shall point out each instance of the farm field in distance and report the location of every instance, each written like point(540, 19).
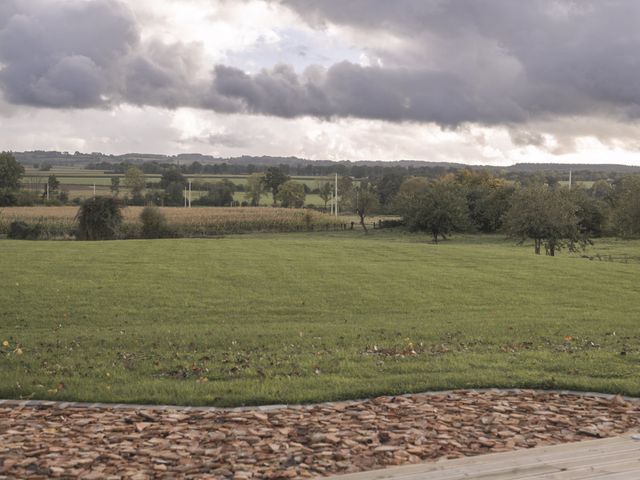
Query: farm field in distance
point(271, 318)
point(79, 182)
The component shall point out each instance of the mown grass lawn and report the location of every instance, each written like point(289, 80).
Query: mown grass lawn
point(309, 317)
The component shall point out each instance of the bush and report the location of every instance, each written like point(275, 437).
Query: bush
point(99, 218)
point(23, 231)
point(8, 198)
point(154, 223)
point(28, 198)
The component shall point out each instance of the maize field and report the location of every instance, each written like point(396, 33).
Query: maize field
point(60, 222)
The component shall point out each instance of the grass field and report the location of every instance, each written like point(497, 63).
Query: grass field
point(307, 317)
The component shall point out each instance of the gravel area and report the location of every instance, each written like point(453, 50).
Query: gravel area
point(69, 441)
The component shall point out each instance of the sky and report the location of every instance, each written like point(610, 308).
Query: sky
point(492, 82)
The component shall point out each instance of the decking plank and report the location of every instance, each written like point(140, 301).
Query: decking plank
point(587, 459)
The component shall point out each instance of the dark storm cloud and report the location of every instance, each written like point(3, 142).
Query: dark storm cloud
point(348, 90)
point(451, 62)
point(562, 57)
point(63, 55)
point(90, 54)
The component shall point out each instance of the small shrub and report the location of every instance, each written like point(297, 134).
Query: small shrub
point(23, 231)
point(154, 223)
point(99, 218)
point(130, 230)
point(8, 198)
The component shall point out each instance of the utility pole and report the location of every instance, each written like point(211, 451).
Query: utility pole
point(569, 179)
point(189, 193)
point(47, 190)
point(94, 190)
point(185, 197)
point(336, 194)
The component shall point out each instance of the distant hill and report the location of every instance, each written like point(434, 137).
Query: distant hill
point(83, 159)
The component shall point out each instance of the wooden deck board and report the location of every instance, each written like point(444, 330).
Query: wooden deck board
point(611, 459)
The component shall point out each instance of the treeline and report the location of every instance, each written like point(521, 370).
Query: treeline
point(368, 170)
point(536, 206)
point(552, 215)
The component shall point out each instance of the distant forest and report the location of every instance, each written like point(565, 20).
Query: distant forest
point(197, 163)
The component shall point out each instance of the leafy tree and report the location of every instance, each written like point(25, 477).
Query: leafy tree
point(8, 198)
point(547, 216)
point(439, 209)
point(602, 190)
point(115, 186)
point(172, 175)
point(273, 178)
point(54, 183)
point(173, 182)
point(154, 223)
point(364, 201)
point(99, 218)
point(255, 188)
point(174, 194)
point(325, 193)
point(345, 186)
point(592, 212)
point(412, 186)
point(10, 172)
point(627, 206)
point(219, 194)
point(291, 194)
point(134, 181)
point(488, 199)
point(388, 186)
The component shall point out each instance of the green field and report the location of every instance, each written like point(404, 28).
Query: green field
point(79, 182)
point(266, 318)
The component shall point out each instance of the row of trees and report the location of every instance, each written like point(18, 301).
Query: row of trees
point(359, 170)
point(538, 208)
point(553, 216)
point(173, 183)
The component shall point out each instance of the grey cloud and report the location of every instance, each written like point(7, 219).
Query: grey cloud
point(64, 56)
point(349, 90)
point(227, 140)
point(559, 57)
point(525, 137)
point(162, 75)
point(90, 54)
point(457, 61)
